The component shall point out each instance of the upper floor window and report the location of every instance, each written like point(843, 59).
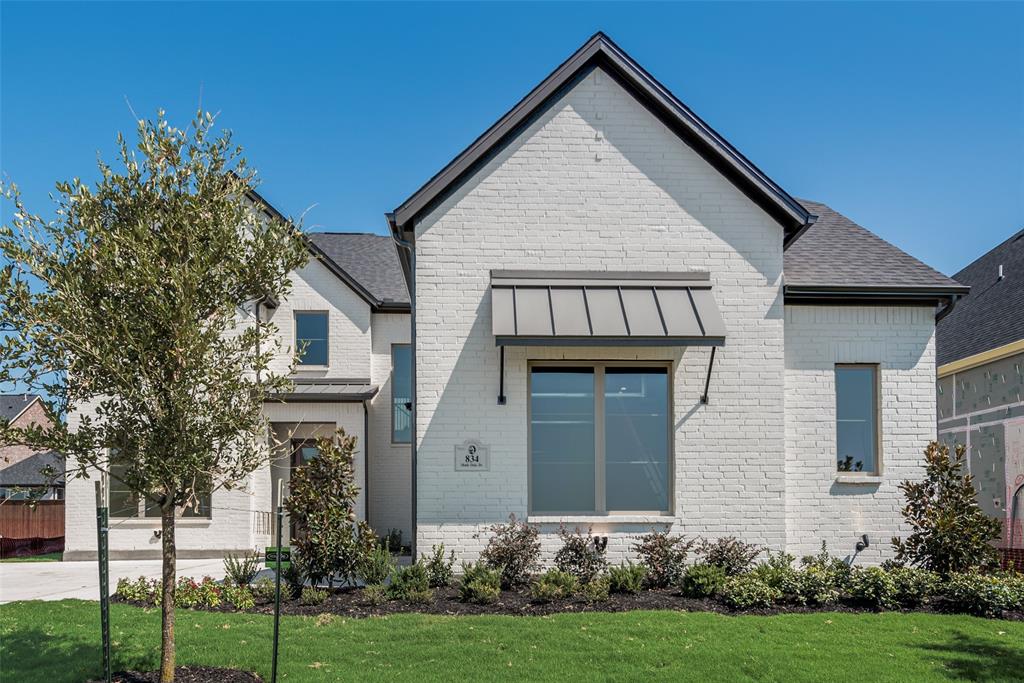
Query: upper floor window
point(857, 435)
point(401, 393)
point(311, 337)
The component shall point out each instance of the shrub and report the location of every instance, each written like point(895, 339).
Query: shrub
point(627, 578)
point(582, 556)
point(914, 587)
point(294, 575)
point(322, 503)
point(817, 585)
point(950, 533)
point(241, 571)
point(263, 590)
point(778, 572)
point(439, 568)
point(480, 584)
point(375, 594)
point(702, 580)
point(514, 550)
point(731, 554)
point(664, 556)
point(554, 584)
point(420, 597)
point(210, 592)
point(140, 590)
point(987, 595)
point(747, 591)
point(408, 580)
point(377, 566)
point(186, 593)
point(240, 597)
point(313, 596)
point(597, 590)
point(874, 587)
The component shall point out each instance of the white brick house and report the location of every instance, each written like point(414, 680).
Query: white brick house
point(617, 322)
point(546, 262)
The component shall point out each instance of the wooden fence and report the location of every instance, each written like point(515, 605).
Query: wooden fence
point(19, 519)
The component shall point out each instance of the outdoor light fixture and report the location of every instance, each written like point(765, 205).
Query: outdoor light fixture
point(863, 543)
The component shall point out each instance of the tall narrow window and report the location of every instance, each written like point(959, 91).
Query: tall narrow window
point(311, 337)
point(401, 393)
point(122, 501)
point(599, 439)
point(857, 418)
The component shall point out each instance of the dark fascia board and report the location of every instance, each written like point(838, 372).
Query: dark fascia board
point(854, 295)
point(602, 51)
point(404, 255)
point(504, 340)
point(376, 304)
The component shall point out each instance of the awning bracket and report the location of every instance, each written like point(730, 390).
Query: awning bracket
point(501, 375)
point(707, 380)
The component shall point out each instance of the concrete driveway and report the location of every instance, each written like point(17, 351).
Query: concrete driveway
point(60, 580)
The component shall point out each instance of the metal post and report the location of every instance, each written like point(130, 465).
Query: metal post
point(102, 532)
point(277, 582)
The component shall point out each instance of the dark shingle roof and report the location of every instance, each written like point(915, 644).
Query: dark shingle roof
point(11, 405)
point(836, 252)
point(370, 260)
point(32, 471)
point(992, 315)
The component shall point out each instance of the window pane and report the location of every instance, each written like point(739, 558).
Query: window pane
point(122, 502)
point(856, 430)
point(311, 338)
point(636, 439)
point(562, 439)
point(401, 393)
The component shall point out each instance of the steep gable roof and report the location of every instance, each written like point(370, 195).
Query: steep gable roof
point(600, 51)
point(13, 405)
point(836, 256)
point(369, 259)
point(992, 315)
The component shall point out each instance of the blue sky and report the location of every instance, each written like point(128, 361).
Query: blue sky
point(909, 118)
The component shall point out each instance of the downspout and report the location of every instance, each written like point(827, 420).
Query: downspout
point(411, 248)
point(948, 308)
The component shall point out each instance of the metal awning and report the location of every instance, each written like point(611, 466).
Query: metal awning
point(327, 390)
point(604, 308)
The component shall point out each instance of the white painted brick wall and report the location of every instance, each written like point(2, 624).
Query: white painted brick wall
point(902, 341)
point(597, 183)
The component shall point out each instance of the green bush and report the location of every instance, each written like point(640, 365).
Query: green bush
point(664, 556)
point(263, 590)
point(186, 593)
point(597, 590)
point(514, 550)
point(873, 587)
point(480, 584)
point(778, 572)
point(313, 596)
point(375, 594)
point(914, 587)
point(439, 568)
point(242, 570)
point(627, 578)
point(408, 580)
point(554, 584)
point(582, 556)
point(420, 597)
point(377, 566)
point(240, 597)
point(747, 591)
point(139, 590)
point(731, 554)
point(702, 580)
point(950, 532)
point(987, 595)
point(817, 585)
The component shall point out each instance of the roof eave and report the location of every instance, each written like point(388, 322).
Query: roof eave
point(854, 294)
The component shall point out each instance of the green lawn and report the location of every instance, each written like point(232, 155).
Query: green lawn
point(48, 557)
point(59, 641)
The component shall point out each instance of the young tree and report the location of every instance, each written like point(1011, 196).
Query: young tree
point(127, 312)
point(949, 531)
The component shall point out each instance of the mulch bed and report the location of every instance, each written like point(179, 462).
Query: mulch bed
point(188, 674)
point(349, 602)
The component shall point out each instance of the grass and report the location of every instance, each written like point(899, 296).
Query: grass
point(59, 641)
point(47, 557)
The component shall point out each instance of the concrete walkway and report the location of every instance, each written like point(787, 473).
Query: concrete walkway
point(60, 580)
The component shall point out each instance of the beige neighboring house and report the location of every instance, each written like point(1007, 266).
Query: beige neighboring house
point(21, 467)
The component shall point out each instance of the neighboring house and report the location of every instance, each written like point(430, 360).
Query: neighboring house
point(619, 323)
point(24, 470)
point(349, 309)
point(597, 263)
point(980, 347)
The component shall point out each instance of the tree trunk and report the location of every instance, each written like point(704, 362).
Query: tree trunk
point(167, 601)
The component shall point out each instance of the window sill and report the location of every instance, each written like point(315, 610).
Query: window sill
point(601, 519)
point(856, 478)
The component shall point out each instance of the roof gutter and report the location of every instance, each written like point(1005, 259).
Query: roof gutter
point(948, 308)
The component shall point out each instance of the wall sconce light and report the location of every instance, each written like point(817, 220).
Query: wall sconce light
point(863, 543)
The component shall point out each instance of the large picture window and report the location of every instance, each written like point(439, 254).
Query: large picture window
point(122, 502)
point(401, 393)
point(311, 337)
point(599, 439)
point(857, 435)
